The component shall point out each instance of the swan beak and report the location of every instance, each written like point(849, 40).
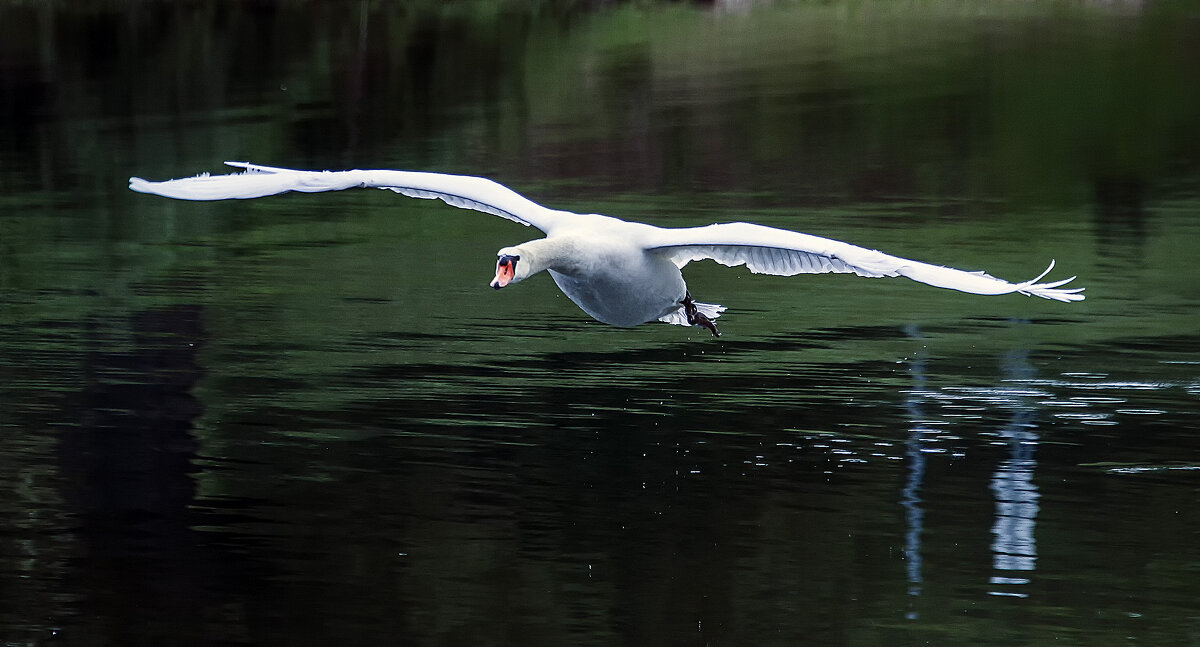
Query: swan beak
point(506, 268)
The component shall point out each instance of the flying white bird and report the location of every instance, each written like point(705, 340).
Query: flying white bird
point(621, 273)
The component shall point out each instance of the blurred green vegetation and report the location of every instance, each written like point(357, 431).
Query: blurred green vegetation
point(921, 127)
point(817, 101)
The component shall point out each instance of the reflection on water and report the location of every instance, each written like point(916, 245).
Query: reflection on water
point(184, 494)
point(307, 419)
point(1014, 548)
point(915, 515)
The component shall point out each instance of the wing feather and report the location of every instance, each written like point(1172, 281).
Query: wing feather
point(767, 250)
point(465, 192)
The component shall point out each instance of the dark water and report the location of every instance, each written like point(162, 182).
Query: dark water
point(306, 420)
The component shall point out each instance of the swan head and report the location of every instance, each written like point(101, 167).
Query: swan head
point(509, 269)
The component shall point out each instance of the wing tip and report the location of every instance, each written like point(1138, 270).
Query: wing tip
point(1065, 296)
point(1052, 290)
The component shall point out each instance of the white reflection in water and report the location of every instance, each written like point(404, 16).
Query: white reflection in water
point(1014, 548)
point(914, 514)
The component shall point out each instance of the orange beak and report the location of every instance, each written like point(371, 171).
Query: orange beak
point(505, 269)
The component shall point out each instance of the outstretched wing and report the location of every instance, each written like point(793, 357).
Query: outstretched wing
point(766, 250)
point(466, 192)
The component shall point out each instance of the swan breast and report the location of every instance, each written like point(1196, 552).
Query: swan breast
point(618, 282)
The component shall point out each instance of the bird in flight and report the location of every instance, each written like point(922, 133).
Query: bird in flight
point(619, 272)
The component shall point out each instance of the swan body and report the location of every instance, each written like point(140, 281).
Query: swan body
point(619, 272)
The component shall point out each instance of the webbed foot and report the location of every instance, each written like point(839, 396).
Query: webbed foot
point(697, 318)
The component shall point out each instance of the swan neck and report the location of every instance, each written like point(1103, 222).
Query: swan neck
point(548, 254)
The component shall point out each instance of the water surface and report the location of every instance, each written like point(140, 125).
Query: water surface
point(306, 418)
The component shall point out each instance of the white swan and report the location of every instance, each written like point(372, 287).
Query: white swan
point(621, 273)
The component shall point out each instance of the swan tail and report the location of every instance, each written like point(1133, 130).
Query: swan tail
point(679, 318)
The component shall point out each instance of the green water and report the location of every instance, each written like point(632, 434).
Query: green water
point(306, 419)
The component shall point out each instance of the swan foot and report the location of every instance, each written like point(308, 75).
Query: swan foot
point(697, 318)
